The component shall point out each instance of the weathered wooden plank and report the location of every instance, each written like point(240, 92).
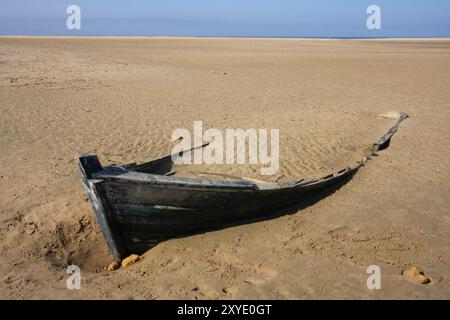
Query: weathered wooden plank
point(114, 172)
point(385, 139)
point(88, 165)
point(181, 196)
point(159, 165)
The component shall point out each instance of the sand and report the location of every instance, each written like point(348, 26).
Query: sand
point(123, 97)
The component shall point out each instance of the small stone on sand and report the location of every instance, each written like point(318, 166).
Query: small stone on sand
point(113, 266)
point(230, 290)
point(414, 274)
point(130, 260)
point(115, 158)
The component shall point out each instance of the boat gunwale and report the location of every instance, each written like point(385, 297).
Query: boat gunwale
point(131, 172)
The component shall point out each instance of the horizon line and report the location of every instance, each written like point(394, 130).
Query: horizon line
point(218, 37)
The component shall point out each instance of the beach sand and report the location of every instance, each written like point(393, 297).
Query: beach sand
point(123, 97)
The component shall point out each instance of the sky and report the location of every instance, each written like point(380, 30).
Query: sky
point(227, 18)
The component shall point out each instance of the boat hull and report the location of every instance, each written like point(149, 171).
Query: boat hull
point(138, 213)
point(137, 209)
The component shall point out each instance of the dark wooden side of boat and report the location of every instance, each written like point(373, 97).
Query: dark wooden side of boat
point(138, 210)
point(89, 164)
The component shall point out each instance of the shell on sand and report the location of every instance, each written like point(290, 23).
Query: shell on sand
point(390, 114)
point(416, 275)
point(132, 259)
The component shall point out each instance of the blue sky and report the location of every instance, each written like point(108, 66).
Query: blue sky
point(251, 18)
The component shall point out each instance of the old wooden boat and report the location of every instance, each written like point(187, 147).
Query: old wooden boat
point(137, 209)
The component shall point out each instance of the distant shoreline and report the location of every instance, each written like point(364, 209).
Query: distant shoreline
point(220, 37)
